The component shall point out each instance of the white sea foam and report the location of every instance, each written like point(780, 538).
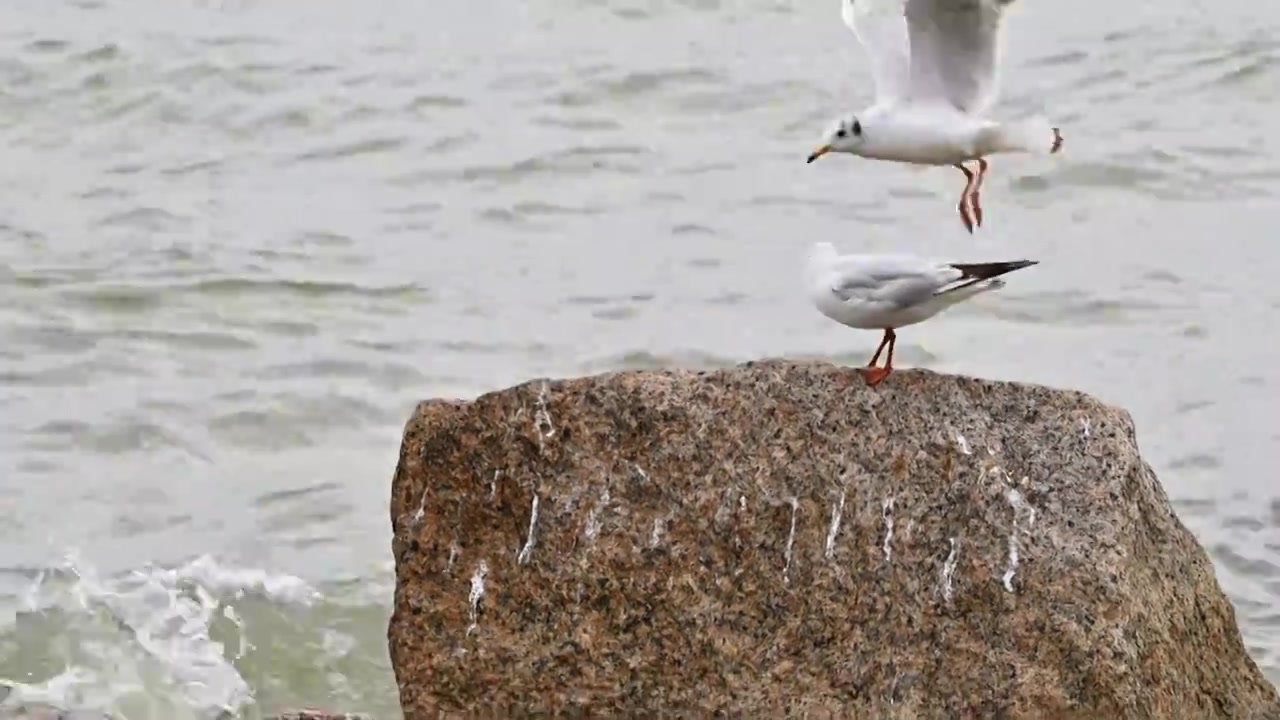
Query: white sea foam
point(149, 644)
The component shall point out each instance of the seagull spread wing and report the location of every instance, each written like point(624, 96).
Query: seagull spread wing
point(955, 51)
point(881, 28)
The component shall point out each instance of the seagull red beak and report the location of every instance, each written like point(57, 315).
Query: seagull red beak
point(819, 153)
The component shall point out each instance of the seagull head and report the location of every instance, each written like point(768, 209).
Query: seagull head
point(845, 135)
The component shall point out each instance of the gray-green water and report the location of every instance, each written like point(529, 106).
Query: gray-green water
point(238, 241)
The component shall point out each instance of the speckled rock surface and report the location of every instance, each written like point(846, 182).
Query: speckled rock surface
point(777, 538)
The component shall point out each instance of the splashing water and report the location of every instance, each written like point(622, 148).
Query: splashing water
point(152, 643)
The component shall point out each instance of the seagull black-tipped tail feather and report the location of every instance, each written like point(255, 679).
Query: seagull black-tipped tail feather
point(979, 277)
point(986, 271)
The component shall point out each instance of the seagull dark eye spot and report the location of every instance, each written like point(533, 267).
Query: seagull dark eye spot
point(840, 132)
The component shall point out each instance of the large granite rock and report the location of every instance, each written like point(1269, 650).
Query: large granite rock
point(778, 538)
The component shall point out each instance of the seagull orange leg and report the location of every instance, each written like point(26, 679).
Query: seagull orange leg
point(875, 375)
point(974, 194)
point(883, 342)
point(963, 207)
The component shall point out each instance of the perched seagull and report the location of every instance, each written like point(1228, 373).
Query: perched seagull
point(936, 66)
point(886, 292)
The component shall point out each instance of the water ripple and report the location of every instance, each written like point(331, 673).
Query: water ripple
point(369, 146)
